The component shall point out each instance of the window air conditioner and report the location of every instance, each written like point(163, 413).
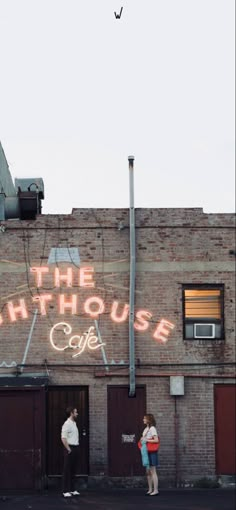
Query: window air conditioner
point(204, 330)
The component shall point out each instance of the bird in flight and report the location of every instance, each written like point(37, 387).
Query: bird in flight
point(118, 15)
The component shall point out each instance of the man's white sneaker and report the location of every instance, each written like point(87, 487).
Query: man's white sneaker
point(75, 493)
point(67, 494)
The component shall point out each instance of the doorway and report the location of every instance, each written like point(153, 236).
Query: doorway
point(125, 426)
point(225, 426)
point(22, 428)
point(58, 399)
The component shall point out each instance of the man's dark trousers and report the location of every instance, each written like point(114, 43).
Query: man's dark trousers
point(69, 469)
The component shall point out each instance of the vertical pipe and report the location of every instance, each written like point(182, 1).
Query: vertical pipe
point(132, 280)
point(176, 446)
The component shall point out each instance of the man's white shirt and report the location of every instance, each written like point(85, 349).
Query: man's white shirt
point(70, 432)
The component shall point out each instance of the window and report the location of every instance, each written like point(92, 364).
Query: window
point(203, 311)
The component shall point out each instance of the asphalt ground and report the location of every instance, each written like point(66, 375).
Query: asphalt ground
point(123, 499)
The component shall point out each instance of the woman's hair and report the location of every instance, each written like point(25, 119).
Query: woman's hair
point(150, 419)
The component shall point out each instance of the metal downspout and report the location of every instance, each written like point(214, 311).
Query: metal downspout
point(132, 280)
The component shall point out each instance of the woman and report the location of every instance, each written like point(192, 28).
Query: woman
point(150, 435)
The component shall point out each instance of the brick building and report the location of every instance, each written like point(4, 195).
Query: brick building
point(64, 339)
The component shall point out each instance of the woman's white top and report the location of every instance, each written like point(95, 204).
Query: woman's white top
point(149, 432)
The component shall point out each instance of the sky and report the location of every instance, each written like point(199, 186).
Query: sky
point(80, 91)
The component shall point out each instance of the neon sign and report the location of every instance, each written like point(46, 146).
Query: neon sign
point(84, 276)
point(79, 342)
point(93, 307)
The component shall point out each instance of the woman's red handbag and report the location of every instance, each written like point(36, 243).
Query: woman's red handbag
point(151, 447)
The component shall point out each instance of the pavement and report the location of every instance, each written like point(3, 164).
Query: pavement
point(124, 499)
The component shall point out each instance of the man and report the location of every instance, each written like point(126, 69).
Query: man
point(70, 440)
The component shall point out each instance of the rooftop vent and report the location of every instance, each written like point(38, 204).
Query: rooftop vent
point(22, 200)
point(30, 193)
point(30, 185)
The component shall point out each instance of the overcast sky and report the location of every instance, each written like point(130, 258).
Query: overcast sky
point(81, 90)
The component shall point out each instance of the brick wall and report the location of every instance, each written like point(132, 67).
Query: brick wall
point(173, 247)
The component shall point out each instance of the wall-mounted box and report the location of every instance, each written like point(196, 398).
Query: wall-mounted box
point(176, 385)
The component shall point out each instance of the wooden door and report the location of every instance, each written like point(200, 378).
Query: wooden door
point(125, 426)
point(225, 427)
point(58, 399)
point(21, 438)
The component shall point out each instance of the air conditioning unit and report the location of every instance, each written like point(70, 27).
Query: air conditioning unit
point(204, 330)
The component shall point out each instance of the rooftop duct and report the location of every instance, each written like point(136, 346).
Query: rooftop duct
point(22, 201)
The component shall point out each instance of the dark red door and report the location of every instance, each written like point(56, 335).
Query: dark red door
point(225, 427)
point(21, 438)
point(58, 399)
point(125, 425)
